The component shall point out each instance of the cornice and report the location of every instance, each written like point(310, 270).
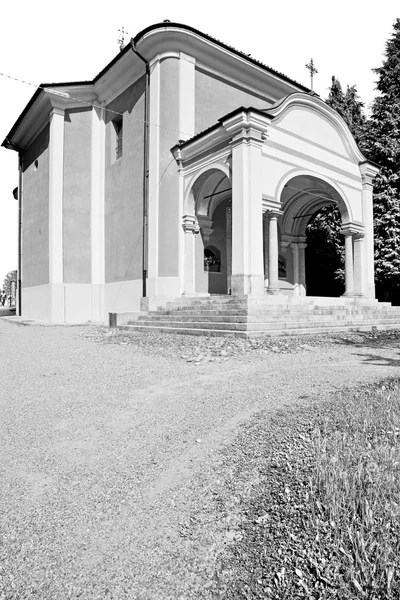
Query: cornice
point(47, 99)
point(162, 40)
point(247, 123)
point(165, 36)
point(200, 144)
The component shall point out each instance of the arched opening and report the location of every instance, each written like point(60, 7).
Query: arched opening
point(324, 254)
point(211, 196)
point(313, 214)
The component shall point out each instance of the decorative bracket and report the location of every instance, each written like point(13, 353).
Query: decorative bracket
point(190, 224)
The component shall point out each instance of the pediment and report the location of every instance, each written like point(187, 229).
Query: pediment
point(310, 120)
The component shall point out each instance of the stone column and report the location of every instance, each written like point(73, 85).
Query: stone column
point(266, 249)
point(229, 249)
point(348, 266)
point(358, 240)
point(56, 176)
point(273, 287)
point(302, 269)
point(296, 273)
point(190, 228)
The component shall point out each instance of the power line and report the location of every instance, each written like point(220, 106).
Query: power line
point(114, 112)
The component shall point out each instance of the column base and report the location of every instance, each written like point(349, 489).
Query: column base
point(247, 285)
point(273, 291)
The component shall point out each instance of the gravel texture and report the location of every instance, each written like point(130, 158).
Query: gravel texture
point(114, 481)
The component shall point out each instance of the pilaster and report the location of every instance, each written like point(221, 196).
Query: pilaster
point(248, 132)
point(368, 173)
point(358, 262)
point(154, 176)
point(229, 249)
point(56, 175)
point(302, 268)
point(97, 215)
point(186, 96)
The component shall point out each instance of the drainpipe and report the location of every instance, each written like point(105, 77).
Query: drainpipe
point(145, 170)
point(19, 266)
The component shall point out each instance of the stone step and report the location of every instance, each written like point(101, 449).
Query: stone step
point(287, 313)
point(264, 318)
point(254, 326)
point(255, 334)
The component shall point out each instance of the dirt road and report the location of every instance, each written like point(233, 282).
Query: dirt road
point(110, 453)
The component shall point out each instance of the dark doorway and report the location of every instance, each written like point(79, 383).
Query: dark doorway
point(325, 253)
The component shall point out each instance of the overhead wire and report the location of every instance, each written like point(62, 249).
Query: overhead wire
point(67, 96)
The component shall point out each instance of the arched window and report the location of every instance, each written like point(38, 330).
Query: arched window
point(212, 259)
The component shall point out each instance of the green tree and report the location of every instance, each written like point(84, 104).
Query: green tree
point(382, 145)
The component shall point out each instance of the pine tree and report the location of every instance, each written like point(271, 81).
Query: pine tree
point(350, 108)
point(382, 145)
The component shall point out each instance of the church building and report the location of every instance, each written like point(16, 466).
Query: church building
point(185, 168)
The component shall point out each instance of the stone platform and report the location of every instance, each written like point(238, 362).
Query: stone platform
point(259, 316)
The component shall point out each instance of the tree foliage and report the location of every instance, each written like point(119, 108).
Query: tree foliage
point(325, 253)
point(11, 276)
point(350, 107)
point(382, 145)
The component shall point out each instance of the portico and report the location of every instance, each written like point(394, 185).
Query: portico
point(274, 169)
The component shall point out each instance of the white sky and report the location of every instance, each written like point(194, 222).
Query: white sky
point(46, 41)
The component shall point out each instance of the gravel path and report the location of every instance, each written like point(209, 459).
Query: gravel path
point(111, 447)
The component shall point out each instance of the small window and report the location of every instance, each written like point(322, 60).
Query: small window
point(118, 137)
point(212, 260)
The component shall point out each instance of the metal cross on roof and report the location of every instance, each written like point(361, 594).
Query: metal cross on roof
point(313, 71)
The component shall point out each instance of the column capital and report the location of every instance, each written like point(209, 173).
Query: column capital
point(301, 245)
point(270, 204)
point(352, 229)
point(274, 214)
point(368, 173)
point(190, 224)
point(56, 110)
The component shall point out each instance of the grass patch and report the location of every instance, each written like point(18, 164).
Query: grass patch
point(323, 521)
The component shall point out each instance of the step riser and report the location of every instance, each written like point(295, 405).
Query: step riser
point(245, 317)
point(251, 334)
point(264, 318)
point(256, 326)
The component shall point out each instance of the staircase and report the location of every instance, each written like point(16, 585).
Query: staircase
point(268, 315)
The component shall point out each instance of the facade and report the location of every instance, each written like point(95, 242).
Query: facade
point(184, 168)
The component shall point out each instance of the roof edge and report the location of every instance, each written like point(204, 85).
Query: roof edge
point(255, 62)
